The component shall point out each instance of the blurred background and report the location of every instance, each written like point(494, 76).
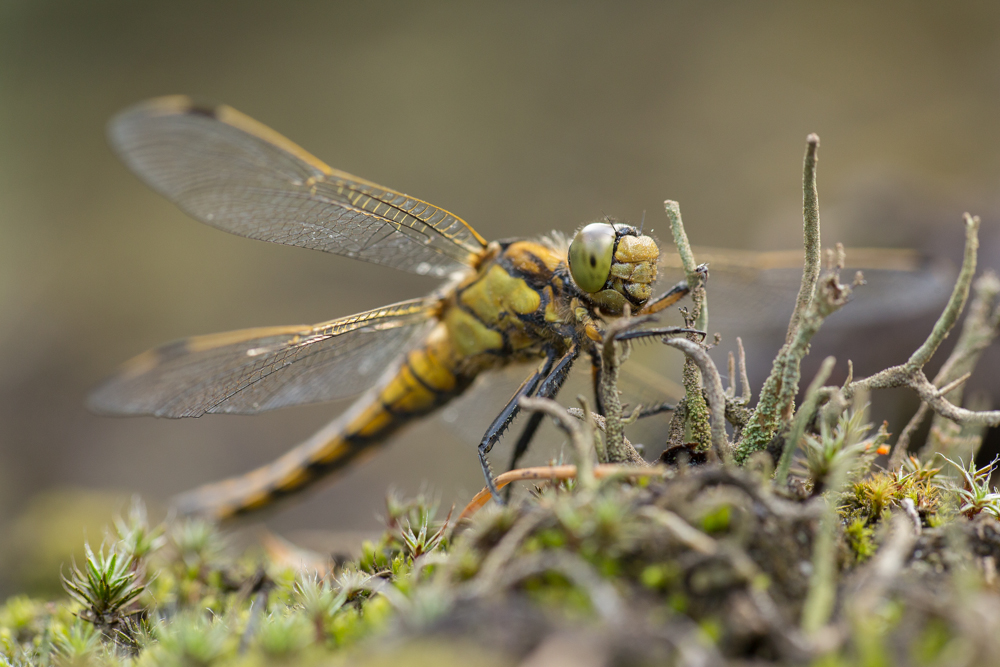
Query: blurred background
point(520, 117)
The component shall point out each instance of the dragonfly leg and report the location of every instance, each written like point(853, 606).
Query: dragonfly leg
point(525, 439)
point(596, 370)
point(659, 332)
point(672, 295)
point(546, 380)
point(545, 391)
point(595, 379)
point(503, 420)
point(657, 409)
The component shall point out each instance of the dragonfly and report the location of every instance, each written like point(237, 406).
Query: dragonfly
point(543, 300)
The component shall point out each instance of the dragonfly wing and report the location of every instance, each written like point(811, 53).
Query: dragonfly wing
point(229, 171)
point(253, 370)
point(752, 291)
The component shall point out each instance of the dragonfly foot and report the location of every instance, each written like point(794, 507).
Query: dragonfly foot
point(490, 482)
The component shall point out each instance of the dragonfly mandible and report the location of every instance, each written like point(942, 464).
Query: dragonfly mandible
point(503, 302)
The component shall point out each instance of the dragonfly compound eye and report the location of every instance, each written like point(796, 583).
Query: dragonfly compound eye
point(590, 256)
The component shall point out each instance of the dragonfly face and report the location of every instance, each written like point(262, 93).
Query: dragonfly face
point(506, 301)
point(613, 265)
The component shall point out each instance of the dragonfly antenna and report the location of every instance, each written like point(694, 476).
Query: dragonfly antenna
point(609, 220)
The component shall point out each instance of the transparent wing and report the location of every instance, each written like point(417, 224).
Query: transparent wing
point(755, 291)
point(229, 171)
point(253, 370)
point(884, 259)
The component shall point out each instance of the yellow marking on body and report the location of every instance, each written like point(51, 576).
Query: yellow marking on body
point(498, 291)
point(331, 451)
point(487, 254)
point(636, 249)
point(417, 401)
point(592, 332)
point(431, 371)
point(520, 339)
point(469, 335)
point(405, 393)
point(254, 500)
point(371, 422)
point(524, 253)
point(398, 388)
point(295, 479)
point(479, 297)
point(552, 313)
point(522, 299)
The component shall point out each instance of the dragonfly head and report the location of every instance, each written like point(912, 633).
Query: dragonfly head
point(613, 264)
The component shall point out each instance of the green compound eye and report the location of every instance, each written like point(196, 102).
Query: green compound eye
point(590, 256)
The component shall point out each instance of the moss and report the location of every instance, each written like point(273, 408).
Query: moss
point(717, 521)
point(706, 565)
point(202, 605)
point(872, 497)
point(859, 538)
point(659, 576)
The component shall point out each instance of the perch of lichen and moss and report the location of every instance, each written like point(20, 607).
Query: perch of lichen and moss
point(827, 562)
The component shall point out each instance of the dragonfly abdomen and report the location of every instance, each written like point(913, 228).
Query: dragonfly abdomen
point(426, 378)
point(494, 317)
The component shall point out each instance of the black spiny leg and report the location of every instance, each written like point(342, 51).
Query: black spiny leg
point(525, 439)
point(595, 378)
point(546, 379)
point(545, 391)
point(673, 295)
point(634, 334)
point(659, 332)
point(503, 420)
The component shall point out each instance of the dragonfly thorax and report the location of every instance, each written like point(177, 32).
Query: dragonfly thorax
point(612, 265)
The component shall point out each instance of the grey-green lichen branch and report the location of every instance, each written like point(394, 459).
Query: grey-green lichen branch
point(693, 273)
point(691, 418)
point(778, 393)
point(979, 330)
point(802, 419)
point(907, 373)
point(811, 237)
point(911, 373)
point(713, 390)
point(737, 407)
point(613, 353)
